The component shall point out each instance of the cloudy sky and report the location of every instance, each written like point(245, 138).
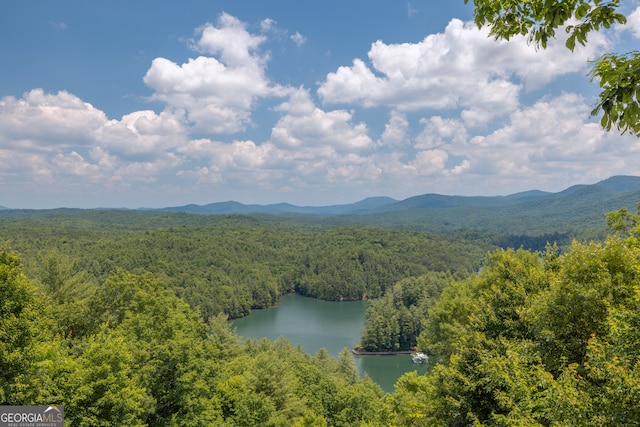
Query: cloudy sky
point(152, 104)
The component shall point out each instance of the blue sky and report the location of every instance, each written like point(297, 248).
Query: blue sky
point(152, 104)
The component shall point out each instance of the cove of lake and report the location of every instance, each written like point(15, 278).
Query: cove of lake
point(316, 324)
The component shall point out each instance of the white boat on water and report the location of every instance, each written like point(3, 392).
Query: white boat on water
point(419, 358)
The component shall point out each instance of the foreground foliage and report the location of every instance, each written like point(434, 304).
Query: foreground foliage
point(536, 339)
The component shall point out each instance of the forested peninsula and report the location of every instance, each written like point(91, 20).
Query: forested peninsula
point(122, 317)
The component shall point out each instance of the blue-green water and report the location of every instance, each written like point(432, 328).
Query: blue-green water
point(316, 324)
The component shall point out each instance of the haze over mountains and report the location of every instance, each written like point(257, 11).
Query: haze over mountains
point(576, 212)
point(610, 189)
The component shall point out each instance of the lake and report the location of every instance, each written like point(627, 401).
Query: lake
point(316, 324)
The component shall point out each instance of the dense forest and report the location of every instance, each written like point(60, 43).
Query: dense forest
point(104, 316)
point(232, 264)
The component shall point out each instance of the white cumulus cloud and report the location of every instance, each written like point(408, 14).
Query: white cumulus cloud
point(45, 121)
point(217, 92)
point(305, 126)
point(459, 68)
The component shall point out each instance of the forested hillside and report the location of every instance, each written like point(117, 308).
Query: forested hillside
point(92, 316)
point(231, 264)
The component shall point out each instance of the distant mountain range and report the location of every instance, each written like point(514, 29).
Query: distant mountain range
point(611, 188)
point(576, 212)
point(368, 205)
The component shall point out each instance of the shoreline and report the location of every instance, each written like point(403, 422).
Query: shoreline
point(380, 353)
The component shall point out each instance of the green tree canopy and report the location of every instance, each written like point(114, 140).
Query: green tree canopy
point(24, 336)
point(617, 74)
point(535, 339)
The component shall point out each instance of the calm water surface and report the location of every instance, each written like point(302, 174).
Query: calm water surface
point(317, 324)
